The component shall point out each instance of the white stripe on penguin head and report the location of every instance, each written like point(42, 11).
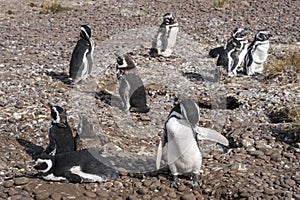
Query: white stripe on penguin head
point(57, 115)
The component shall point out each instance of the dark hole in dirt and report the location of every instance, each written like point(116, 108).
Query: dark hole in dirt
point(193, 76)
point(279, 116)
point(229, 103)
point(232, 103)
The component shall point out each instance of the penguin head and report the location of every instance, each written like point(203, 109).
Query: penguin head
point(263, 35)
point(85, 32)
point(124, 63)
point(44, 163)
point(239, 33)
point(59, 115)
point(168, 18)
point(190, 111)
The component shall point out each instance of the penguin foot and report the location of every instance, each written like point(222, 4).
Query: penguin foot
point(175, 183)
point(195, 182)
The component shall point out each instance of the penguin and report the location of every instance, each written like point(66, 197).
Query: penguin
point(178, 145)
point(131, 87)
point(257, 53)
point(74, 167)
point(165, 38)
point(60, 134)
point(232, 54)
point(82, 57)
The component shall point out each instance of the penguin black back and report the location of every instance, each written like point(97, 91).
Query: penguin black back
point(60, 134)
point(77, 167)
point(82, 56)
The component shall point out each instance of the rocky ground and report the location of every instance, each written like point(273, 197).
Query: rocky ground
point(262, 161)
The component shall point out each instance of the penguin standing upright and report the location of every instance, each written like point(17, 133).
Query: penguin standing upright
point(82, 57)
point(76, 167)
point(131, 87)
point(178, 145)
point(165, 39)
point(60, 134)
point(257, 53)
point(232, 54)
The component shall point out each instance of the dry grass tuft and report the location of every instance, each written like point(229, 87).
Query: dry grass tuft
point(277, 67)
point(51, 6)
point(220, 4)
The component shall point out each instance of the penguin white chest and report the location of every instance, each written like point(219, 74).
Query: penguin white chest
point(183, 154)
point(260, 53)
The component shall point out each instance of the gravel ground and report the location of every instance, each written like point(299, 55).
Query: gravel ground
point(262, 161)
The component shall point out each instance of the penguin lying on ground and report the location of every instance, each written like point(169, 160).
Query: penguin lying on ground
point(60, 134)
point(76, 167)
point(165, 39)
point(257, 53)
point(178, 145)
point(232, 54)
point(131, 87)
point(82, 57)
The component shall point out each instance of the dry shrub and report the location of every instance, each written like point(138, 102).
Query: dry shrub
point(220, 4)
point(277, 67)
point(51, 6)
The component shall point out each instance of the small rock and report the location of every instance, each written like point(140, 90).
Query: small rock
point(290, 182)
point(42, 195)
point(172, 195)
point(276, 157)
point(131, 197)
point(142, 191)
point(181, 188)
point(90, 194)
point(188, 197)
point(102, 194)
point(17, 197)
point(8, 183)
point(21, 181)
point(247, 142)
point(147, 183)
point(56, 196)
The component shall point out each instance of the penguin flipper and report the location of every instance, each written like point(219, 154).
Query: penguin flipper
point(212, 135)
point(215, 52)
point(162, 143)
point(159, 154)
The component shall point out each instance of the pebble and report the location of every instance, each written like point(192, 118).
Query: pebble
point(56, 196)
point(147, 183)
point(21, 181)
point(172, 195)
point(90, 194)
point(188, 197)
point(142, 191)
point(42, 195)
point(8, 183)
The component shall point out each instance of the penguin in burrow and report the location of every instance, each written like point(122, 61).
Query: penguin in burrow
point(257, 53)
point(75, 167)
point(231, 55)
point(131, 86)
point(82, 57)
point(60, 133)
point(178, 146)
point(165, 39)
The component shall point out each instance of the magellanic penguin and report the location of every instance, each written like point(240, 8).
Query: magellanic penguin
point(131, 87)
point(257, 53)
point(82, 57)
point(165, 38)
point(178, 145)
point(232, 54)
point(60, 134)
point(75, 167)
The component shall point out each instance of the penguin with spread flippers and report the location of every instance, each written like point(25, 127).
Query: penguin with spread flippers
point(178, 146)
